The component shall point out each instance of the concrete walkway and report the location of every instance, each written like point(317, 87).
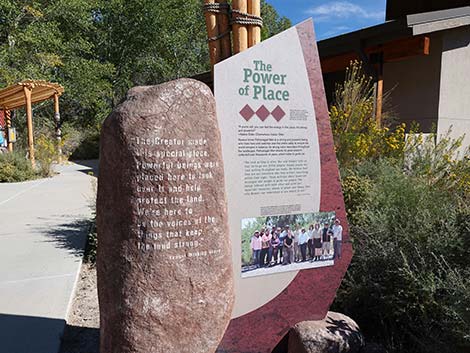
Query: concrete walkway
point(43, 226)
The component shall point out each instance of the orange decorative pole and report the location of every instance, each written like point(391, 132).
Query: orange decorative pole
point(240, 31)
point(8, 125)
point(254, 31)
point(223, 22)
point(29, 120)
point(210, 9)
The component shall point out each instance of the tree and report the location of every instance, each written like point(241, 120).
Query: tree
point(273, 23)
point(150, 42)
point(98, 49)
point(54, 41)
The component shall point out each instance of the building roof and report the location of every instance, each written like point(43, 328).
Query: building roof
point(13, 97)
point(401, 8)
point(409, 26)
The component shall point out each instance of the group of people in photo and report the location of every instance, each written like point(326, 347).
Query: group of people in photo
point(274, 245)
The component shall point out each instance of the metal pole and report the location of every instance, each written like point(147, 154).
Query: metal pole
point(58, 132)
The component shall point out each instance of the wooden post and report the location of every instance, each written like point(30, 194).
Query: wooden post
point(29, 120)
point(224, 27)
point(8, 125)
point(240, 32)
point(58, 132)
point(254, 32)
point(380, 92)
point(212, 31)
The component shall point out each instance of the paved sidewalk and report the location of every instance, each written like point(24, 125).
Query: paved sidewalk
point(43, 225)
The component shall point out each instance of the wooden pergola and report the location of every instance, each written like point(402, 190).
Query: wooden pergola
point(25, 94)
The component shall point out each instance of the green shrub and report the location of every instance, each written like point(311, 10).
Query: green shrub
point(89, 146)
point(14, 167)
point(357, 135)
point(408, 206)
point(46, 154)
point(92, 242)
point(442, 161)
point(71, 139)
point(408, 285)
point(92, 236)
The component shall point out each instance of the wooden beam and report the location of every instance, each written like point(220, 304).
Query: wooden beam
point(7, 114)
point(380, 93)
point(58, 132)
point(20, 101)
point(9, 91)
point(17, 89)
point(29, 121)
point(338, 63)
point(240, 32)
point(393, 51)
point(402, 49)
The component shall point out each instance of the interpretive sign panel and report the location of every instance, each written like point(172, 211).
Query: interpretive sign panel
point(286, 211)
point(164, 262)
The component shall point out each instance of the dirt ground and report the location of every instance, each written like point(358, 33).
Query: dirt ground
point(82, 334)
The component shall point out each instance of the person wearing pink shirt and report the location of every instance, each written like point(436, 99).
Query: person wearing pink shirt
point(265, 244)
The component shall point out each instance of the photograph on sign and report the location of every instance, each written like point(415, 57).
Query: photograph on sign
point(276, 244)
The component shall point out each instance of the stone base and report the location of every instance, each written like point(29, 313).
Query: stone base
point(336, 333)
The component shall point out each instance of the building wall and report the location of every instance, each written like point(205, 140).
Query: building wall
point(401, 8)
point(413, 85)
point(454, 106)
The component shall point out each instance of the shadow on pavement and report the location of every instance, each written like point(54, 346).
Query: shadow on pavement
point(26, 334)
point(69, 235)
point(78, 339)
point(91, 166)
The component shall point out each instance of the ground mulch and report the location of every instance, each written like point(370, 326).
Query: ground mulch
point(82, 334)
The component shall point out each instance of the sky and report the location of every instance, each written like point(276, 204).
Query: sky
point(333, 18)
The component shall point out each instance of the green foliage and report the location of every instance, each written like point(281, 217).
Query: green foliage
point(14, 167)
point(92, 243)
point(272, 22)
point(88, 146)
point(71, 139)
point(92, 236)
point(56, 41)
point(149, 42)
point(408, 285)
point(357, 135)
point(98, 49)
point(356, 189)
point(408, 203)
point(442, 160)
point(45, 154)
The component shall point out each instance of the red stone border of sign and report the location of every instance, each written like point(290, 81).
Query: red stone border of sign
point(261, 330)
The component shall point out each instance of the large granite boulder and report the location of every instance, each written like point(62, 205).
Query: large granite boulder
point(164, 257)
point(337, 333)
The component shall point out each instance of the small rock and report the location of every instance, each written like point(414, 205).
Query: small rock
point(337, 333)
